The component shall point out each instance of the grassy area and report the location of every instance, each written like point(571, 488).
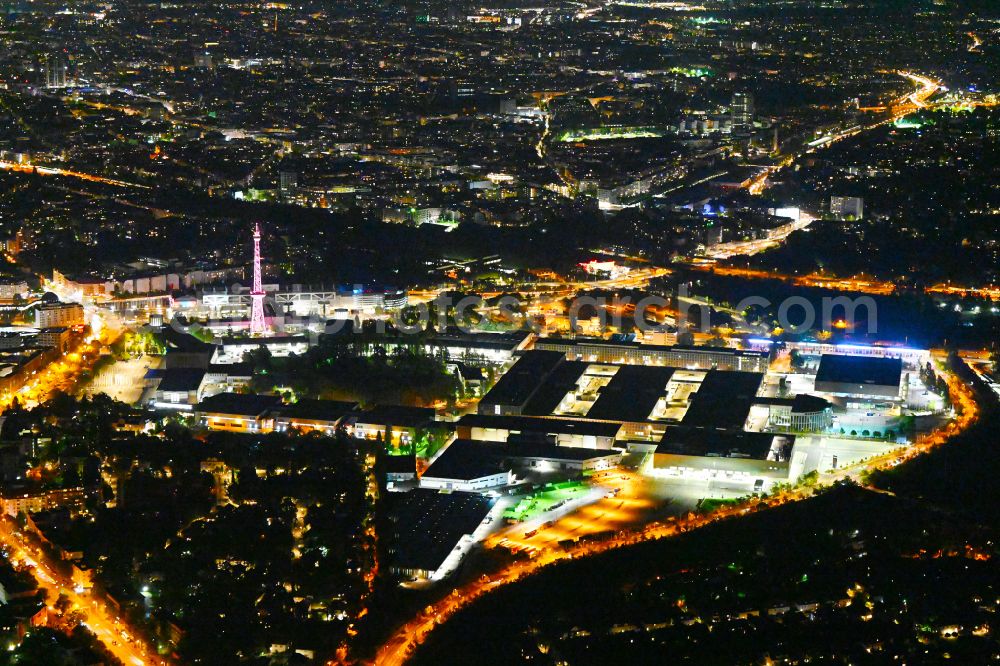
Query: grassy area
point(709, 504)
point(537, 503)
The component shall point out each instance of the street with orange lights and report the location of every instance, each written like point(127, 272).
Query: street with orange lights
point(752, 247)
point(991, 292)
point(60, 375)
point(54, 171)
point(903, 106)
point(119, 639)
point(919, 98)
point(909, 102)
point(861, 284)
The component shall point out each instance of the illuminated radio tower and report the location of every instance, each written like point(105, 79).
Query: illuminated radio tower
point(258, 326)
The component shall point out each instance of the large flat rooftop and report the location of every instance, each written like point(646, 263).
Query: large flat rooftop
point(723, 399)
point(566, 343)
point(317, 410)
point(426, 525)
point(401, 416)
point(709, 442)
point(542, 425)
point(632, 393)
point(469, 459)
point(519, 383)
point(859, 370)
point(548, 396)
point(238, 404)
point(465, 460)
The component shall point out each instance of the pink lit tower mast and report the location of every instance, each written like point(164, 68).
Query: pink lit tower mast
point(258, 325)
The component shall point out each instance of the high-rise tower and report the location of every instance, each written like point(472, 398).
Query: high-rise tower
point(55, 72)
point(258, 325)
point(741, 110)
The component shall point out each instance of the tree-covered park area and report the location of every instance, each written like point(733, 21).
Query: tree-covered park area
point(359, 371)
point(426, 442)
point(137, 343)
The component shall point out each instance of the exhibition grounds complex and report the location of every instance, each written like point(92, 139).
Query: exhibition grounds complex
point(739, 419)
point(581, 437)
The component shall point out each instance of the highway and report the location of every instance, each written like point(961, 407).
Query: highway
point(119, 639)
point(906, 104)
point(53, 171)
point(918, 99)
point(637, 278)
point(752, 247)
point(909, 102)
point(989, 291)
point(858, 284)
point(861, 284)
point(928, 88)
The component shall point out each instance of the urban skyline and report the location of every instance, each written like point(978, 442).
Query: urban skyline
point(413, 331)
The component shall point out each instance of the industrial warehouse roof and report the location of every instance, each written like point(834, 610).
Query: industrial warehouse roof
point(275, 340)
point(520, 382)
point(181, 379)
point(426, 525)
point(238, 404)
point(455, 338)
point(860, 370)
point(400, 416)
point(717, 350)
point(633, 344)
point(709, 442)
point(546, 426)
point(231, 369)
point(723, 399)
point(543, 450)
point(466, 459)
point(551, 392)
point(401, 464)
point(452, 337)
point(317, 410)
point(802, 403)
point(632, 393)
